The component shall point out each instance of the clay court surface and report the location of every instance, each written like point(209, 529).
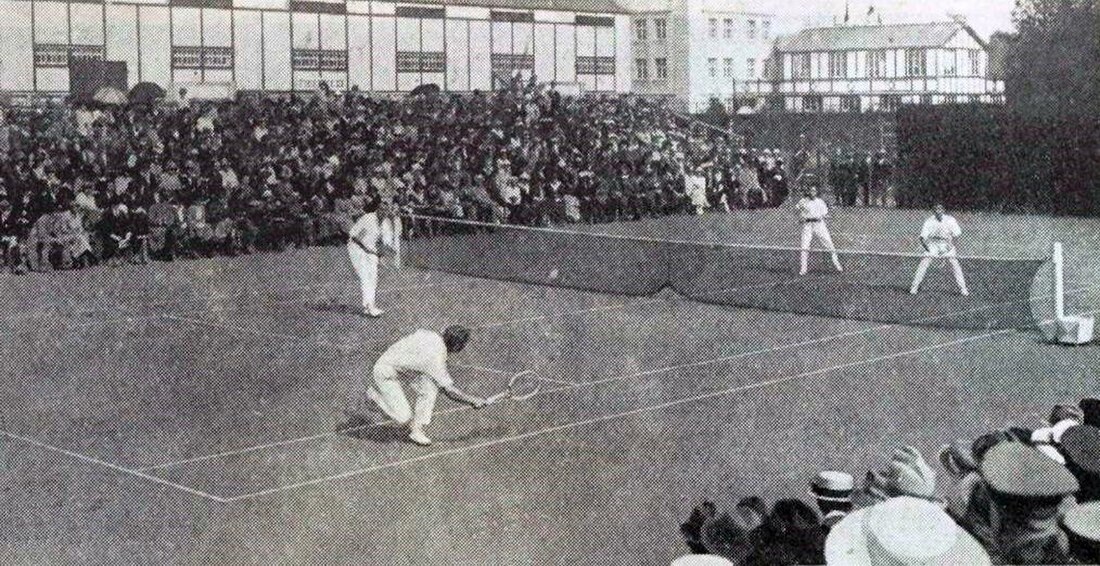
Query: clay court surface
point(186, 412)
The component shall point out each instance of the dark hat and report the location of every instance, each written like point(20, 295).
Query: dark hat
point(1018, 470)
point(1091, 409)
point(1081, 445)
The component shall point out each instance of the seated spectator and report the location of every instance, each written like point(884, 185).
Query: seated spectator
point(902, 530)
point(116, 234)
point(791, 534)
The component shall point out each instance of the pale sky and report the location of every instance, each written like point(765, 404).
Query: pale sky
point(985, 16)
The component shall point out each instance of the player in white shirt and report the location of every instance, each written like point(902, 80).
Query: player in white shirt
point(419, 359)
point(812, 213)
point(938, 235)
point(364, 248)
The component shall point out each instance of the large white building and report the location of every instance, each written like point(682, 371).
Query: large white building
point(696, 50)
point(875, 67)
point(284, 45)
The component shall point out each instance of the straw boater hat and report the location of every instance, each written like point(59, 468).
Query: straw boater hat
point(902, 531)
point(835, 487)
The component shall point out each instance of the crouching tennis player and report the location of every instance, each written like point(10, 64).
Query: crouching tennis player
point(419, 359)
point(938, 236)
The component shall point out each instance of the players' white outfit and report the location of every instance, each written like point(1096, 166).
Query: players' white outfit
point(366, 231)
point(812, 213)
point(420, 359)
point(695, 186)
point(939, 235)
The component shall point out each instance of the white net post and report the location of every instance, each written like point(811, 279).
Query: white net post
point(1059, 282)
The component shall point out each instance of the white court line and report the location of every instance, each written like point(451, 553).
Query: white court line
point(570, 385)
point(605, 418)
point(115, 467)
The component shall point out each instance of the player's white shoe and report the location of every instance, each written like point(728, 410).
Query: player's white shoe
point(372, 312)
point(964, 293)
point(417, 436)
point(912, 291)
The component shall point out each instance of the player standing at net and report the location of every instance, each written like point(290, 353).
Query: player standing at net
point(420, 359)
point(938, 235)
point(364, 249)
point(812, 213)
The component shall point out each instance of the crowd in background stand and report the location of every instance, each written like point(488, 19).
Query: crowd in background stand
point(1011, 496)
point(80, 184)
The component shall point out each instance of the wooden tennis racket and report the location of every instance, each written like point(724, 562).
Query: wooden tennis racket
point(521, 386)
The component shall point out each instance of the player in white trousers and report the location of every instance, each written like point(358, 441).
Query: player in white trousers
point(938, 235)
point(364, 248)
point(812, 213)
point(419, 359)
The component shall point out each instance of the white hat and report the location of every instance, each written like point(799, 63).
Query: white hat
point(833, 486)
point(701, 560)
point(902, 531)
point(1046, 440)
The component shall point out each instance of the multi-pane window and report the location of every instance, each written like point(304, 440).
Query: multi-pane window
point(501, 63)
point(915, 63)
point(727, 28)
point(86, 53)
point(186, 57)
point(765, 29)
point(849, 104)
point(750, 68)
point(889, 102)
point(712, 67)
point(949, 64)
point(217, 57)
point(876, 64)
point(713, 27)
point(838, 65)
point(727, 68)
point(975, 57)
point(640, 30)
point(812, 103)
point(319, 60)
point(660, 68)
point(595, 65)
point(59, 55)
point(660, 29)
point(423, 61)
point(641, 69)
point(752, 29)
point(800, 65)
point(191, 57)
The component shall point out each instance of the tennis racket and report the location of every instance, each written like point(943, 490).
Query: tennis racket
point(521, 386)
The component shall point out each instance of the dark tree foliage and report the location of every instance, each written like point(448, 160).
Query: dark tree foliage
point(1053, 61)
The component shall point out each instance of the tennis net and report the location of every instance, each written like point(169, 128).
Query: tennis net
point(874, 286)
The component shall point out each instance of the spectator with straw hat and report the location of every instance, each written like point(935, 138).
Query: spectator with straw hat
point(902, 530)
point(833, 493)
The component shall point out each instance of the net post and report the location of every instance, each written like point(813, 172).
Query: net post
point(1059, 281)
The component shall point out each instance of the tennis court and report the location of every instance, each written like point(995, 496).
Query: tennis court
point(175, 412)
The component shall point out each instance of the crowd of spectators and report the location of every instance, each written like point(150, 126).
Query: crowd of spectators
point(83, 184)
point(1011, 496)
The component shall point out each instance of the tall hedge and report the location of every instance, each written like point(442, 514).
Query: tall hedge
point(983, 157)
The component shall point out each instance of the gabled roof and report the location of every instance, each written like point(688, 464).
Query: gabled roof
point(582, 6)
point(900, 36)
